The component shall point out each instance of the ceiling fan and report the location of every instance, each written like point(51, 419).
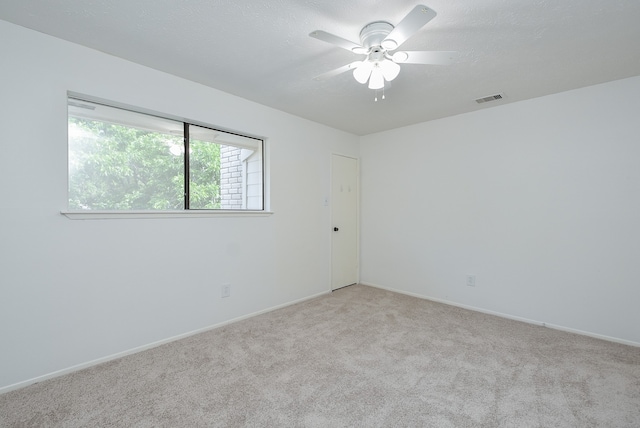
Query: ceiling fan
point(380, 41)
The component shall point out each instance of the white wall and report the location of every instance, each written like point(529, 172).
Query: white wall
point(540, 199)
point(74, 291)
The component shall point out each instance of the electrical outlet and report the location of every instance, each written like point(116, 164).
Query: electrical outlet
point(226, 290)
point(471, 280)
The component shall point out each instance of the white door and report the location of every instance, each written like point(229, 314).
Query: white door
point(344, 218)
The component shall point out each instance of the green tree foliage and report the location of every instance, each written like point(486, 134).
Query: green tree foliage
point(204, 184)
point(115, 167)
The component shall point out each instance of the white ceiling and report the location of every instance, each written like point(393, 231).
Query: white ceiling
point(261, 51)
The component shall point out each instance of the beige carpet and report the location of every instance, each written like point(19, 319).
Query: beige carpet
point(358, 357)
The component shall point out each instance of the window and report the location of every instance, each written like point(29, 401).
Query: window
point(123, 160)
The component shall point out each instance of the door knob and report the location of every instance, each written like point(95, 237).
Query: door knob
point(335, 229)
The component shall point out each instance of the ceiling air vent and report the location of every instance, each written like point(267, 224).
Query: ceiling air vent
point(495, 97)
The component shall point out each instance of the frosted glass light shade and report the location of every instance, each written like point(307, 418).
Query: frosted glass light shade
point(363, 71)
point(376, 72)
point(389, 69)
point(377, 79)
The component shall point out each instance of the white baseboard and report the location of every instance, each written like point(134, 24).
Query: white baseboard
point(137, 349)
point(508, 316)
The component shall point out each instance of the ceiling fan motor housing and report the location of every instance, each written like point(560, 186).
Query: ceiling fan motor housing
point(374, 33)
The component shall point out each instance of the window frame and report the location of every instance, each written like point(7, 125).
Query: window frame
point(186, 211)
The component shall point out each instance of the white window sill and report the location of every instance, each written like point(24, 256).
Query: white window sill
point(106, 215)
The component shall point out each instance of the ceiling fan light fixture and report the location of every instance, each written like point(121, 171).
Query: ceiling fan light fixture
point(363, 71)
point(390, 70)
point(377, 79)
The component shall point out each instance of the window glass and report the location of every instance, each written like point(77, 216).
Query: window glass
point(237, 182)
point(125, 160)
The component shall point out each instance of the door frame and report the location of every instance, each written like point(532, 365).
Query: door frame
point(331, 219)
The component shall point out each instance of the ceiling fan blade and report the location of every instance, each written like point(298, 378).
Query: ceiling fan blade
point(425, 57)
point(337, 71)
point(337, 41)
point(410, 24)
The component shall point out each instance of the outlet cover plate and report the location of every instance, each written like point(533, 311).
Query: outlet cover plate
point(471, 280)
point(226, 290)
